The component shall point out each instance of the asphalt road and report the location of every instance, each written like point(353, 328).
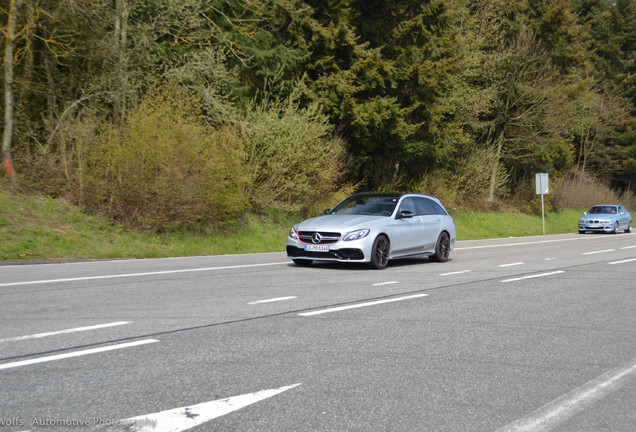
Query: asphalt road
point(518, 334)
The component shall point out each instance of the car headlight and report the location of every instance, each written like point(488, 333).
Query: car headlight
point(293, 232)
point(356, 235)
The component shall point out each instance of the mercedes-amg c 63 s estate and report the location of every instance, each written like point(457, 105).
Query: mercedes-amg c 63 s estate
point(375, 228)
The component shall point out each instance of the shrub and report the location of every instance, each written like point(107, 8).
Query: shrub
point(469, 182)
point(166, 168)
point(581, 190)
point(294, 160)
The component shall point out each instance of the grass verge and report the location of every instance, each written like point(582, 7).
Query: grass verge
point(38, 228)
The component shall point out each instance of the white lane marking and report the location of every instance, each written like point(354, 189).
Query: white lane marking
point(511, 264)
point(598, 252)
point(455, 273)
point(184, 418)
point(59, 332)
point(385, 283)
point(533, 276)
point(272, 300)
point(628, 247)
point(549, 259)
point(623, 261)
point(516, 244)
point(561, 409)
point(359, 305)
point(124, 275)
point(75, 354)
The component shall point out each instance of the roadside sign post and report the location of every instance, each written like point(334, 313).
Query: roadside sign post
point(543, 187)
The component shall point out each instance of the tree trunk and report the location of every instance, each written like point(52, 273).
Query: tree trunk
point(495, 168)
point(121, 31)
point(14, 5)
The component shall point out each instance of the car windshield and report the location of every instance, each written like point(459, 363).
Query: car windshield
point(375, 205)
point(603, 210)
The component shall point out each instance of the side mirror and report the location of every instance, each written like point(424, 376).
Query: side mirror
point(327, 211)
point(584, 213)
point(405, 214)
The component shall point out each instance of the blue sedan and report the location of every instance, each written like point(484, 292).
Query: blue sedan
point(609, 218)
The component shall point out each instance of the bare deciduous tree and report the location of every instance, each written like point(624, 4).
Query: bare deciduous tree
point(10, 37)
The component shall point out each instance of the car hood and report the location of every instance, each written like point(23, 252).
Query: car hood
point(338, 223)
point(598, 216)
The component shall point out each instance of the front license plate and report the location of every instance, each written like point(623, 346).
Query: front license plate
point(317, 248)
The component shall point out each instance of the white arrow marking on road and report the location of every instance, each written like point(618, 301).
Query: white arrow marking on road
point(184, 418)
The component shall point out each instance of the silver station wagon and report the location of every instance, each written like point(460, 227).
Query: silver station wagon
point(609, 218)
point(375, 228)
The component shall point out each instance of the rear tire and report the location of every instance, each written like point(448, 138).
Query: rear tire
point(442, 248)
point(380, 252)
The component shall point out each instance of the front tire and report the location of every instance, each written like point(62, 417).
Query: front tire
point(442, 248)
point(302, 262)
point(380, 252)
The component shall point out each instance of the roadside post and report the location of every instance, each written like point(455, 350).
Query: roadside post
point(543, 187)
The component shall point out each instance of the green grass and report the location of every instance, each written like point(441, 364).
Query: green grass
point(473, 225)
point(37, 228)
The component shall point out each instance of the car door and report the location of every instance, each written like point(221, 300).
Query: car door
point(623, 217)
point(431, 222)
point(406, 236)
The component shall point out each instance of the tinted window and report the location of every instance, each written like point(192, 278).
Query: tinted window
point(439, 208)
point(408, 204)
point(424, 206)
point(377, 205)
point(603, 210)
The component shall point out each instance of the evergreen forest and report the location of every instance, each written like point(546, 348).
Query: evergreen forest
point(181, 113)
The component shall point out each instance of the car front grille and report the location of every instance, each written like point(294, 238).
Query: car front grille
point(340, 254)
point(318, 237)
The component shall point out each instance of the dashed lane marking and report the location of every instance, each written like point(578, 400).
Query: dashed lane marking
point(272, 300)
point(550, 415)
point(75, 354)
point(385, 283)
point(623, 261)
point(360, 305)
point(533, 276)
point(125, 275)
point(455, 273)
point(598, 252)
point(59, 332)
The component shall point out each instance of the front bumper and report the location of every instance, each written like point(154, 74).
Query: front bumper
point(597, 227)
point(343, 255)
point(341, 251)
